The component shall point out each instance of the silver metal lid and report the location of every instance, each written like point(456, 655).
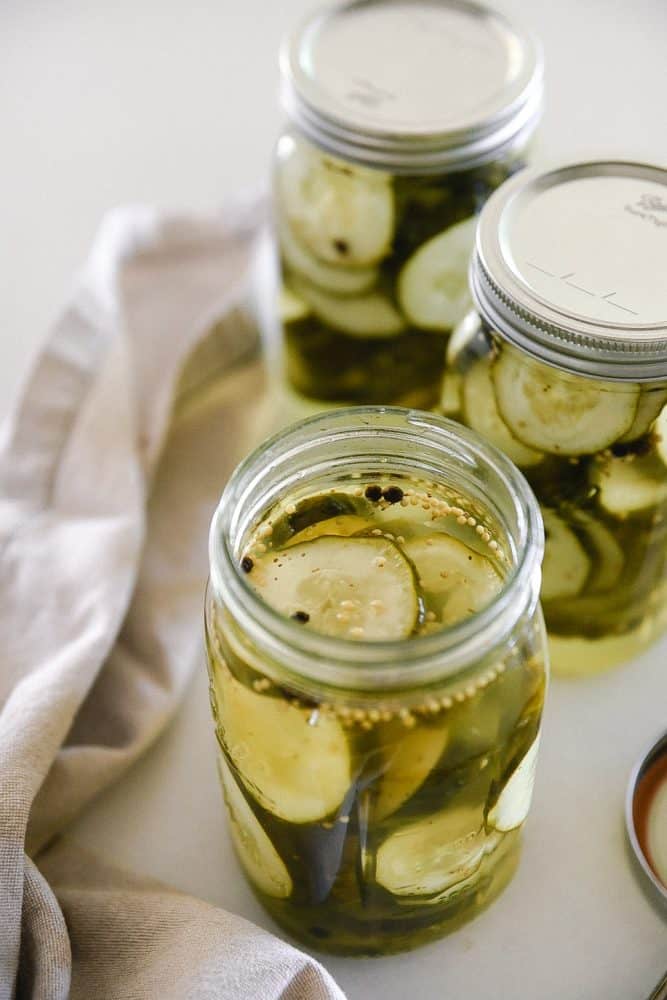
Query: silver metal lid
point(571, 266)
point(648, 782)
point(412, 84)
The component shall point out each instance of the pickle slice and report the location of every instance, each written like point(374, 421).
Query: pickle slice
point(433, 285)
point(630, 484)
point(370, 315)
point(295, 771)
point(339, 280)
point(480, 411)
point(352, 588)
point(258, 856)
point(513, 803)
point(566, 566)
point(607, 554)
point(291, 308)
point(461, 581)
point(651, 402)
point(343, 525)
point(407, 764)
point(342, 214)
point(432, 854)
point(573, 416)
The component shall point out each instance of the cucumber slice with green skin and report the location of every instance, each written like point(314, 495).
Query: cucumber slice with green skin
point(480, 411)
point(564, 416)
point(608, 557)
point(298, 772)
point(310, 513)
point(257, 854)
point(432, 854)
point(651, 403)
point(407, 764)
point(291, 308)
point(363, 316)
point(660, 432)
point(433, 285)
point(338, 280)
point(342, 214)
point(513, 803)
point(341, 526)
point(351, 588)
point(460, 581)
point(630, 485)
point(566, 566)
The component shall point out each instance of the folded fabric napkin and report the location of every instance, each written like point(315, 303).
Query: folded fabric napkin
point(102, 569)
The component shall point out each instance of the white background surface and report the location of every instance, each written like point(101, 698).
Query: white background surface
point(174, 103)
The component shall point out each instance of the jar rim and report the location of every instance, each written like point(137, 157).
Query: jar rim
point(509, 103)
point(389, 664)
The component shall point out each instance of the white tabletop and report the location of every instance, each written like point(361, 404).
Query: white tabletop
point(174, 103)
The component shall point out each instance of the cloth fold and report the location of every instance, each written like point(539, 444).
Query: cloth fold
point(102, 567)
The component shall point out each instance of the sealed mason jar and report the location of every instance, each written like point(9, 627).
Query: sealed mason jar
point(377, 673)
point(568, 375)
point(404, 115)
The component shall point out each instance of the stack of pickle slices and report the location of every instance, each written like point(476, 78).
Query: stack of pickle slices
point(375, 272)
point(596, 456)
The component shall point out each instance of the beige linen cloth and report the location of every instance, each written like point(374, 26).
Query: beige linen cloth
point(102, 569)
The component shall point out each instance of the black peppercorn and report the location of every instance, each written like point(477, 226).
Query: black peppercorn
point(373, 492)
point(247, 564)
point(393, 494)
point(301, 616)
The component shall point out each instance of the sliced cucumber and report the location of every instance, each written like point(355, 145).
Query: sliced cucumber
point(291, 308)
point(450, 400)
point(432, 854)
point(651, 402)
point(457, 581)
point(608, 557)
point(312, 511)
point(408, 761)
point(339, 280)
point(341, 526)
point(480, 411)
point(342, 214)
point(370, 315)
point(433, 285)
point(513, 803)
point(296, 771)
point(352, 588)
point(257, 854)
point(564, 416)
point(566, 566)
point(629, 485)
point(660, 431)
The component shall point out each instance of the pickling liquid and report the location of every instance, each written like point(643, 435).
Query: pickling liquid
point(370, 824)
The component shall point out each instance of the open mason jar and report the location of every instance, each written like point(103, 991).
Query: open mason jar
point(377, 673)
point(567, 373)
point(404, 115)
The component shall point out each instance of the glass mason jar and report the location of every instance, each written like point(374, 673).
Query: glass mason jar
point(567, 373)
point(403, 118)
point(376, 790)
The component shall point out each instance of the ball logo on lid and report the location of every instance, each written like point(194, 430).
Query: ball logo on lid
point(647, 207)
